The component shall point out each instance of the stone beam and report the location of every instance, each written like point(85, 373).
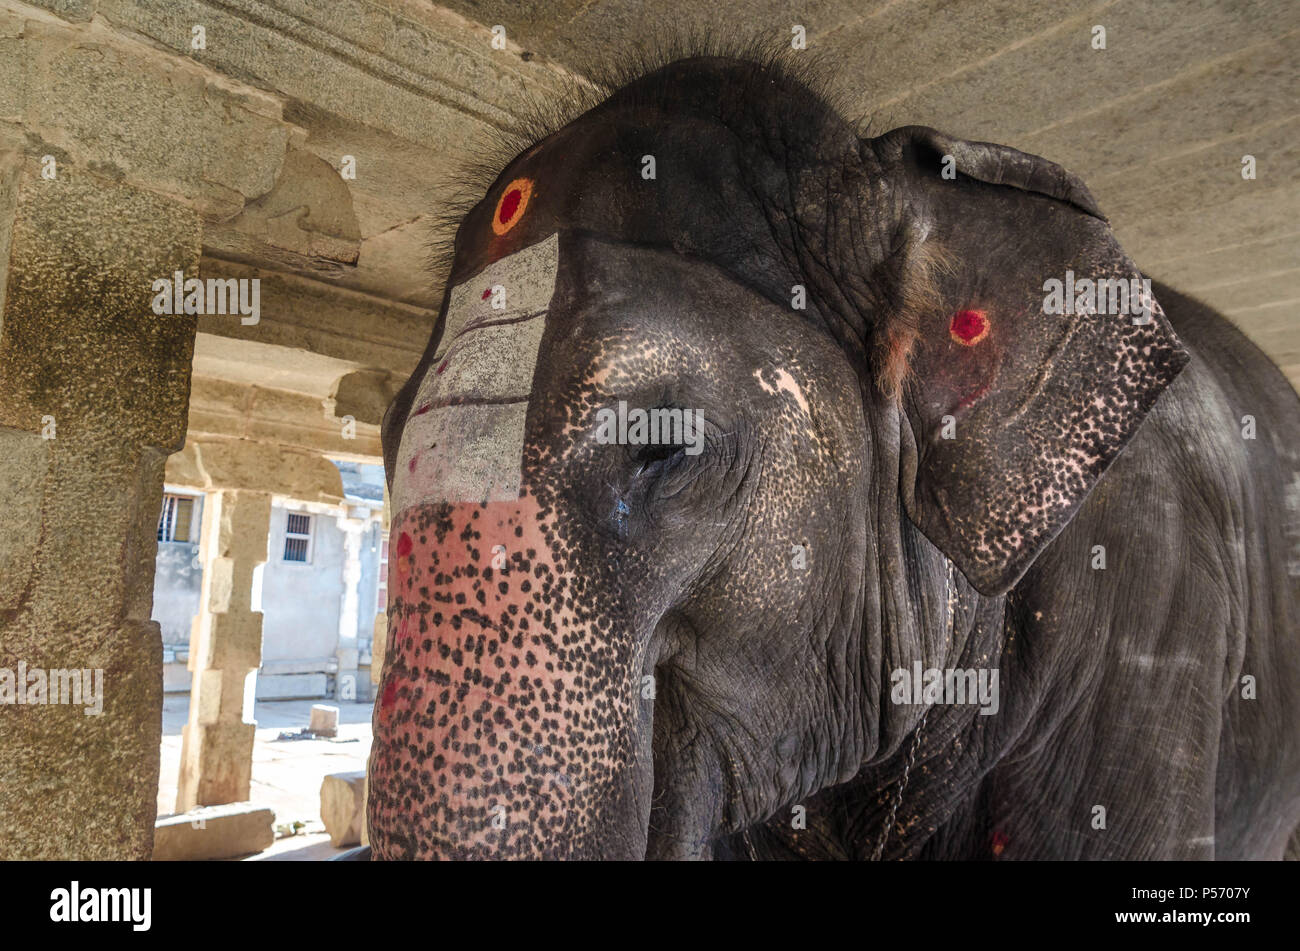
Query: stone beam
point(219, 408)
point(311, 315)
point(364, 395)
point(410, 69)
point(305, 223)
point(240, 464)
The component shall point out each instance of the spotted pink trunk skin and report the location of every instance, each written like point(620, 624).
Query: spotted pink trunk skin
point(492, 732)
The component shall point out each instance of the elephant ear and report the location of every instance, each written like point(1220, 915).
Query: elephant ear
point(1016, 410)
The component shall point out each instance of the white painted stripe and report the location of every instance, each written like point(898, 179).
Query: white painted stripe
point(487, 364)
point(467, 445)
point(527, 277)
point(470, 453)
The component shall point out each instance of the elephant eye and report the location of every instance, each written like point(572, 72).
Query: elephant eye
point(653, 438)
point(649, 454)
point(654, 459)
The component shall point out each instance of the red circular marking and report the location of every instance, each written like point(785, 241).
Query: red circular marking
point(969, 327)
point(404, 545)
point(486, 294)
point(512, 205)
point(509, 205)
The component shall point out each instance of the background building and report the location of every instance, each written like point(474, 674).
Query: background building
point(319, 591)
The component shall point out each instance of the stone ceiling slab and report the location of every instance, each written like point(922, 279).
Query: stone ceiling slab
point(1156, 123)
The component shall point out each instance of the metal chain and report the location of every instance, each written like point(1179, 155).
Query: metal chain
point(749, 846)
point(744, 833)
point(902, 785)
point(879, 850)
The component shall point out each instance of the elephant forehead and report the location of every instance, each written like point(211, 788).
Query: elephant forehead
point(463, 441)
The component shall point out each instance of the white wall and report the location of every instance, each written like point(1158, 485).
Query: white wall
point(300, 602)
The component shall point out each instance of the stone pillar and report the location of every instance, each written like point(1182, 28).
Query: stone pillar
point(94, 394)
point(378, 647)
point(225, 652)
point(346, 685)
point(379, 640)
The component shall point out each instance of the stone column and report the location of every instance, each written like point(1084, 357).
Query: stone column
point(93, 398)
point(379, 640)
point(225, 652)
point(346, 685)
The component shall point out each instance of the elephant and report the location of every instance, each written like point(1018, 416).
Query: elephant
point(884, 417)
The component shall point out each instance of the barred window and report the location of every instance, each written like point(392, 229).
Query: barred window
point(175, 522)
point(297, 538)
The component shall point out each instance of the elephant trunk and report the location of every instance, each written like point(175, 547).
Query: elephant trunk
point(495, 736)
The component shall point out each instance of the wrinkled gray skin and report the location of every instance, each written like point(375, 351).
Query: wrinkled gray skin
point(1120, 688)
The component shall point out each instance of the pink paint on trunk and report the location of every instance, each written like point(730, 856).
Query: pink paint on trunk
point(485, 738)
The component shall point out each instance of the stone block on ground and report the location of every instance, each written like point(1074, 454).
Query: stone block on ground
point(342, 807)
point(214, 832)
point(324, 720)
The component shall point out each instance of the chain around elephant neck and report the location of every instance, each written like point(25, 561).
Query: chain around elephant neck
point(879, 850)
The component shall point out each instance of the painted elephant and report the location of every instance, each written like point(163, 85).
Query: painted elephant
point(768, 491)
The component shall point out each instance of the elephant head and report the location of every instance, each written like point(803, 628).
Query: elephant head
point(607, 643)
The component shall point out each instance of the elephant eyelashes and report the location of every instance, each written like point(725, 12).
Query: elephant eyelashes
point(653, 436)
point(651, 460)
point(648, 454)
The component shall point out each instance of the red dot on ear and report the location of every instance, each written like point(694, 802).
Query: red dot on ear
point(1000, 841)
point(486, 294)
point(969, 327)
